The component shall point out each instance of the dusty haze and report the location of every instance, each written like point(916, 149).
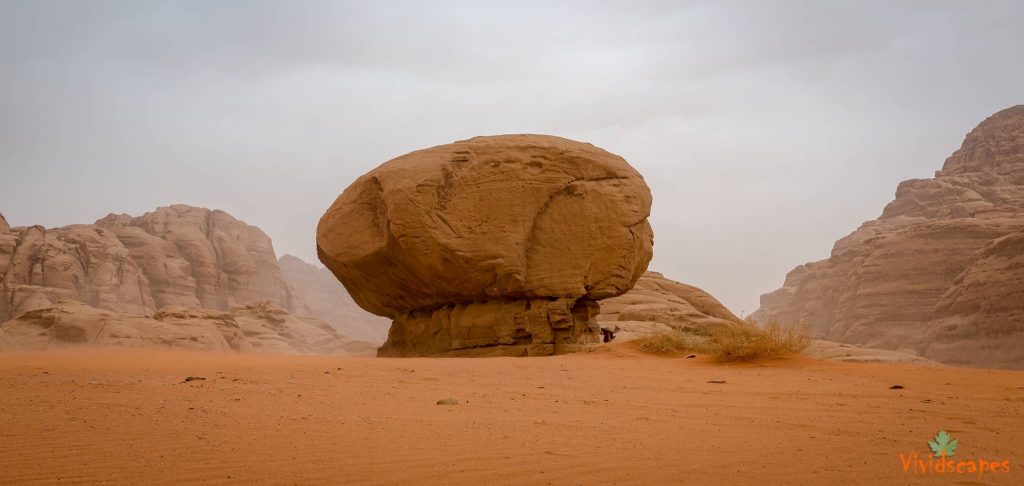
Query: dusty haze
point(764, 132)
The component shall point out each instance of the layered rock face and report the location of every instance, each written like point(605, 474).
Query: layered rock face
point(195, 257)
point(657, 304)
point(174, 256)
point(501, 242)
point(258, 327)
point(39, 267)
point(940, 272)
point(177, 255)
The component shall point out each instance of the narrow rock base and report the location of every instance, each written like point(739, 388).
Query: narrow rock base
point(536, 327)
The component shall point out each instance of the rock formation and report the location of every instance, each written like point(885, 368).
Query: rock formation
point(317, 293)
point(39, 267)
point(174, 256)
point(657, 304)
point(857, 354)
point(258, 327)
point(195, 257)
point(940, 272)
point(501, 242)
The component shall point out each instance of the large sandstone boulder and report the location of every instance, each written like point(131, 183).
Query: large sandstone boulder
point(257, 328)
point(504, 242)
point(939, 272)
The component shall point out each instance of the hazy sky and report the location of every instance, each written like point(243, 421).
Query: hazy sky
point(766, 130)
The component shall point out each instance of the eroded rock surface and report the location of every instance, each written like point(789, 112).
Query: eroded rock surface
point(939, 273)
point(484, 242)
point(39, 267)
point(657, 304)
point(857, 354)
point(196, 257)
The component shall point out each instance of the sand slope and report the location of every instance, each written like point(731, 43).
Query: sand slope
point(607, 417)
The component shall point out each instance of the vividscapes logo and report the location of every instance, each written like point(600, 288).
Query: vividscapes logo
point(940, 462)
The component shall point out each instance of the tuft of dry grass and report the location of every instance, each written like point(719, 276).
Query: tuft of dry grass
point(743, 341)
point(740, 341)
point(673, 343)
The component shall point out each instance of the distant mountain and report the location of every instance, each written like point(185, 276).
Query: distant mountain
point(940, 273)
point(176, 256)
point(320, 294)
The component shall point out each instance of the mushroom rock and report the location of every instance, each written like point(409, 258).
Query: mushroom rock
point(495, 245)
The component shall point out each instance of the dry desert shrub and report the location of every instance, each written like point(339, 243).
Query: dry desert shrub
point(673, 343)
point(740, 341)
point(747, 340)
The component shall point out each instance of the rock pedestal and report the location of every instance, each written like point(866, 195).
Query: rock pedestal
point(538, 327)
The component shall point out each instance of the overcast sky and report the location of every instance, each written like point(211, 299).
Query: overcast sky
point(766, 130)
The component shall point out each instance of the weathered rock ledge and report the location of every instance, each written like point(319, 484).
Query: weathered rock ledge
point(534, 327)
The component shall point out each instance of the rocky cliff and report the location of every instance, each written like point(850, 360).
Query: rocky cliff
point(182, 256)
point(39, 267)
point(940, 272)
point(196, 257)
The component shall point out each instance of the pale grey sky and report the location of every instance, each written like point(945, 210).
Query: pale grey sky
point(766, 130)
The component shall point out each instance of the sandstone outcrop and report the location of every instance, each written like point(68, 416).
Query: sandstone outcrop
point(174, 256)
point(257, 328)
point(177, 255)
point(196, 257)
point(501, 242)
point(939, 273)
point(657, 304)
point(857, 354)
point(39, 267)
